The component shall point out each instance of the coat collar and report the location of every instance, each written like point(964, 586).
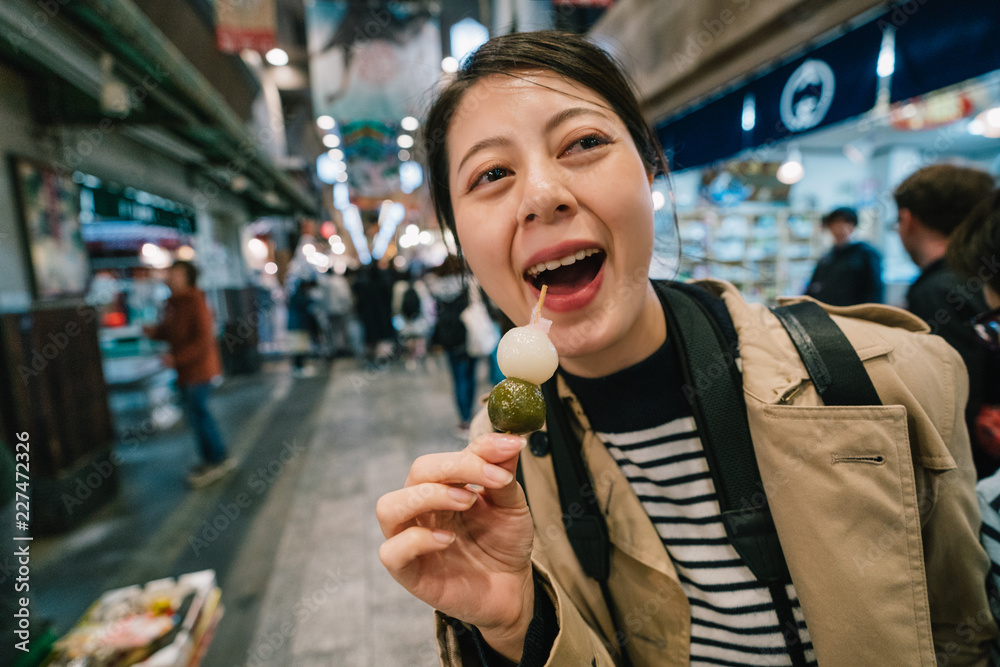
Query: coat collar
point(772, 369)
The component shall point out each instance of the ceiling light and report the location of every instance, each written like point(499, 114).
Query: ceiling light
point(257, 248)
point(326, 122)
point(886, 64)
point(449, 65)
point(271, 268)
point(409, 123)
point(331, 140)
point(336, 154)
point(749, 118)
point(277, 57)
point(659, 200)
point(791, 170)
point(404, 141)
point(986, 124)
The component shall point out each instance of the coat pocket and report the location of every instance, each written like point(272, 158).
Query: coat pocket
point(840, 483)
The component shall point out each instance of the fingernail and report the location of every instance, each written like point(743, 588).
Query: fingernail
point(444, 536)
point(513, 443)
point(463, 496)
point(497, 474)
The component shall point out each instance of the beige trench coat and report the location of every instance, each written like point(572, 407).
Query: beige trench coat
point(885, 556)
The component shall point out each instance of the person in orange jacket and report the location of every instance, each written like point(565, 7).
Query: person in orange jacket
point(187, 327)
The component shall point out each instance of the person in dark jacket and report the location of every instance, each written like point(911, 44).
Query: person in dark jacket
point(851, 272)
point(187, 327)
point(302, 325)
point(932, 202)
point(373, 303)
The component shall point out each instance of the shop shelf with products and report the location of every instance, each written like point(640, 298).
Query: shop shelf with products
point(765, 251)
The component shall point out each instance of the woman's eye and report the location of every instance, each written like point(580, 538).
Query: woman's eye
point(588, 142)
point(495, 174)
point(491, 175)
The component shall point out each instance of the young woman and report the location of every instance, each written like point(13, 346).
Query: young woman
point(541, 164)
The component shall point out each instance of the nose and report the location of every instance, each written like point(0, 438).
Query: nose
point(546, 197)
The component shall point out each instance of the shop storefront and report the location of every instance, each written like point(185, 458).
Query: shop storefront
point(839, 125)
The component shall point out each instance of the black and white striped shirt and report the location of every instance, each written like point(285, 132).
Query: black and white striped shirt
point(648, 426)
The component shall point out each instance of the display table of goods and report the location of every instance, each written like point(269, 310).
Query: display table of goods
point(164, 623)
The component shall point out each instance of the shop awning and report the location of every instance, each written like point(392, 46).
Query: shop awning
point(936, 44)
point(940, 43)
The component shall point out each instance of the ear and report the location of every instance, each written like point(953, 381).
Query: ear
point(905, 217)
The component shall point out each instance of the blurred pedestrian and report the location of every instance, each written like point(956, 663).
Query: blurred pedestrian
point(932, 202)
point(302, 325)
point(373, 303)
point(974, 254)
point(187, 326)
point(449, 287)
point(851, 271)
point(410, 304)
point(339, 304)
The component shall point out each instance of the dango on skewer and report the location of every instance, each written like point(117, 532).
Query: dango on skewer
point(527, 358)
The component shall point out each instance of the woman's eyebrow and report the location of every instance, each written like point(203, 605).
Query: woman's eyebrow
point(567, 114)
point(552, 123)
point(491, 142)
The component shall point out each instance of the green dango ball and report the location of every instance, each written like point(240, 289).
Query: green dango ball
point(516, 406)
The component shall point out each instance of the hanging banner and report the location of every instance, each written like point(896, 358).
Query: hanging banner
point(372, 64)
point(830, 84)
point(940, 43)
point(245, 24)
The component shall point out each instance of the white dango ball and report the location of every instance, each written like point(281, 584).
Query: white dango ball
point(528, 354)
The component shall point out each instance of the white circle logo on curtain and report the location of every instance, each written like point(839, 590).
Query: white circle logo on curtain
point(807, 95)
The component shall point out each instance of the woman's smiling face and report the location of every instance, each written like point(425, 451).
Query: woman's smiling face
point(547, 187)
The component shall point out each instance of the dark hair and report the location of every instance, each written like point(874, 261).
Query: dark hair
point(190, 271)
point(975, 244)
point(942, 195)
point(844, 213)
point(566, 54)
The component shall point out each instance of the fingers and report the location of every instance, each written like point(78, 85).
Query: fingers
point(497, 447)
point(396, 509)
point(489, 461)
point(399, 551)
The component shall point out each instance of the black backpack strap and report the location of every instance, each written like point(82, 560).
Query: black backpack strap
point(586, 527)
point(585, 524)
point(720, 414)
point(831, 361)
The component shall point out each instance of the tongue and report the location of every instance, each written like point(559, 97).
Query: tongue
point(576, 276)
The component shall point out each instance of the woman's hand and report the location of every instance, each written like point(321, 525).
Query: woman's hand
point(465, 552)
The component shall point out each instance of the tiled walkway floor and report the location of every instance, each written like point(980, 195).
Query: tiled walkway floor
point(330, 601)
point(298, 565)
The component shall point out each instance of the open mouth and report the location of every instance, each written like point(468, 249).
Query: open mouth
point(568, 274)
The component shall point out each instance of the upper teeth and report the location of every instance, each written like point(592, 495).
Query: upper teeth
point(556, 263)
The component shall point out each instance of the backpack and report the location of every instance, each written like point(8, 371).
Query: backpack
point(701, 328)
point(449, 331)
point(410, 308)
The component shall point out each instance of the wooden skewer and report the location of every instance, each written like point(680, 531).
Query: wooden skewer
point(538, 309)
